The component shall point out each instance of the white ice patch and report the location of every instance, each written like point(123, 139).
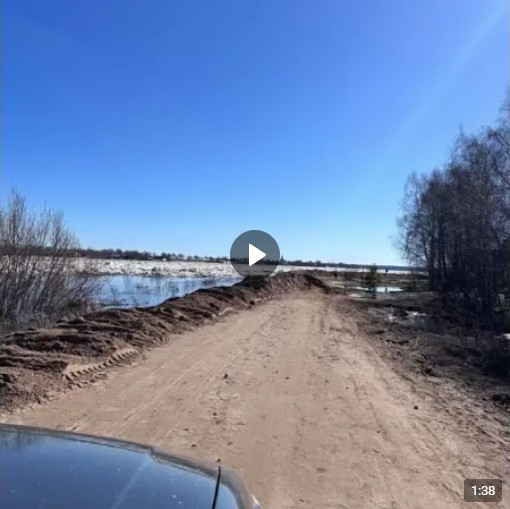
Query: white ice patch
point(177, 268)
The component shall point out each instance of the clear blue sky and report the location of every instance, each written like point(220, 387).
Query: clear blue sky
point(176, 125)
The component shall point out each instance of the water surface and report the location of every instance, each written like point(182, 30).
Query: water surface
point(381, 289)
point(142, 291)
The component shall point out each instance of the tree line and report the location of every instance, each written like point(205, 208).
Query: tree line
point(455, 222)
point(133, 254)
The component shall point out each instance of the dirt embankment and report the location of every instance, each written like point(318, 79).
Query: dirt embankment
point(37, 363)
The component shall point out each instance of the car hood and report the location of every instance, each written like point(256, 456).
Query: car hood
point(51, 469)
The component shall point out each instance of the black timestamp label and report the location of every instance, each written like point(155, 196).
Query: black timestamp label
point(483, 490)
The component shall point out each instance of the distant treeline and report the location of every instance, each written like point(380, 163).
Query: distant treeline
point(133, 254)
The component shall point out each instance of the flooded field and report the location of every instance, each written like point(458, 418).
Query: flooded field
point(359, 288)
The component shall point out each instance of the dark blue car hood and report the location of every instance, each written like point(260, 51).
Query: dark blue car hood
point(42, 469)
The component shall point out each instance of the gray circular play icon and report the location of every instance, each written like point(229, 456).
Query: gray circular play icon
point(254, 253)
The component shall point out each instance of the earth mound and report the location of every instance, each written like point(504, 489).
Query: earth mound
point(35, 364)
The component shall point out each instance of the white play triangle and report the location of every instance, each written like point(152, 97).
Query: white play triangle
point(254, 255)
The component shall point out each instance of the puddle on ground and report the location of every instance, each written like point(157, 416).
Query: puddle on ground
point(410, 319)
point(381, 289)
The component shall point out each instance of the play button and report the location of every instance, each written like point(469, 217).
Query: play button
point(255, 253)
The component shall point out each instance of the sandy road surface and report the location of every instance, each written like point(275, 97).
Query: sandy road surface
point(309, 413)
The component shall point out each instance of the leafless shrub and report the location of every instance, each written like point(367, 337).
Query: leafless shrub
point(38, 279)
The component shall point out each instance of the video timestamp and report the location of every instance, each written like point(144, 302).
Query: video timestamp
point(483, 490)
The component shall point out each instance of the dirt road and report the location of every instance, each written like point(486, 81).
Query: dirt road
point(292, 395)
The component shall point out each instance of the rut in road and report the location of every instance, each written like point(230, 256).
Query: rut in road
point(292, 395)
